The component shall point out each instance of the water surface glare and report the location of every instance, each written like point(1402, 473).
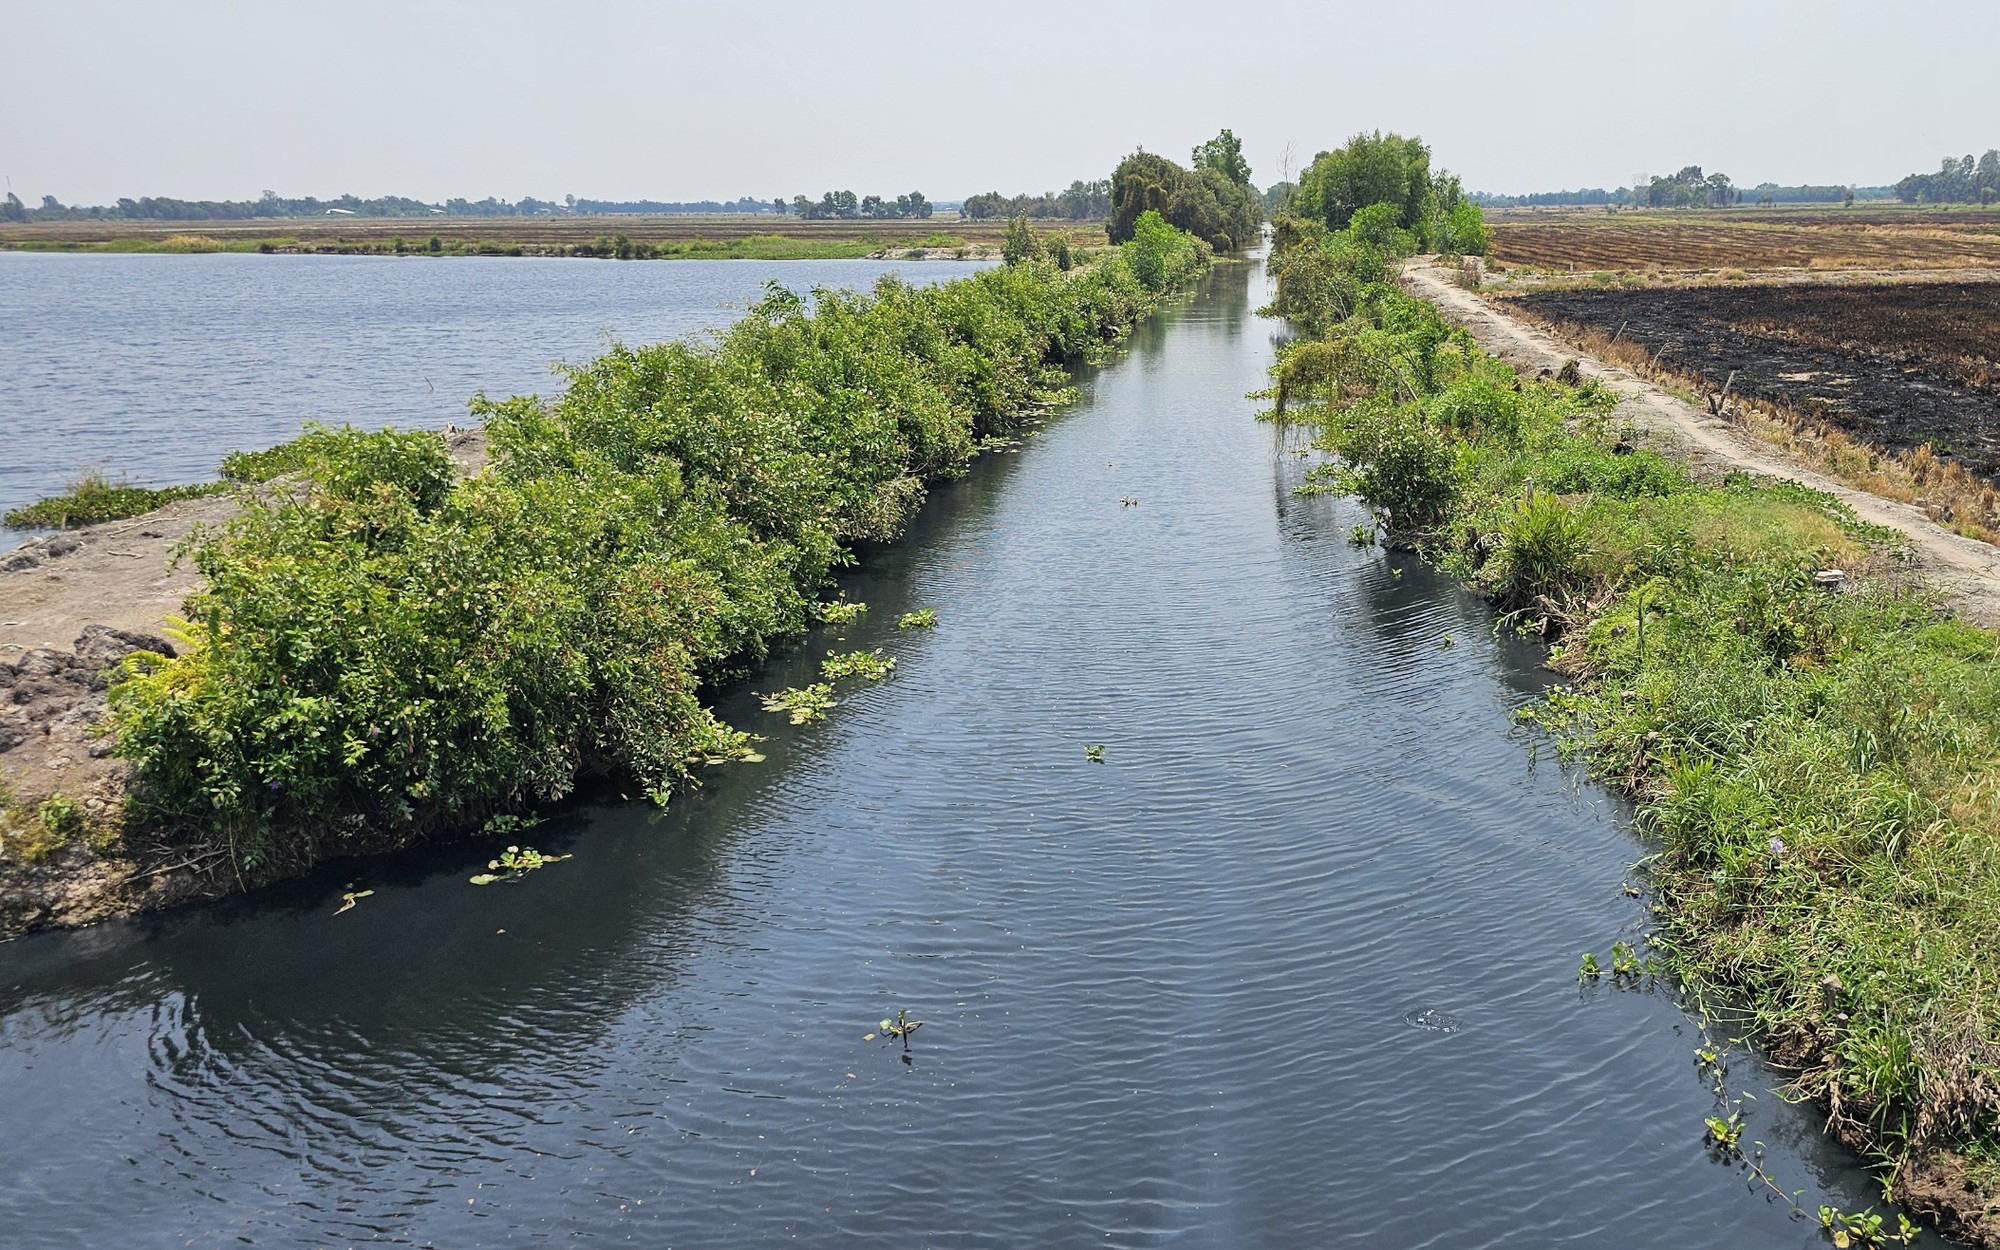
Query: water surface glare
point(1294, 966)
point(159, 366)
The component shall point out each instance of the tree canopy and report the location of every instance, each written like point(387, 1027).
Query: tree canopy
point(1084, 201)
point(1383, 186)
point(846, 206)
point(1371, 169)
point(1211, 201)
point(1962, 181)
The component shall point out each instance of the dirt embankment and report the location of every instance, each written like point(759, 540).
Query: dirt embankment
point(72, 606)
point(1966, 570)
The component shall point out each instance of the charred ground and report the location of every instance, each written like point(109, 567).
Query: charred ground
point(1899, 365)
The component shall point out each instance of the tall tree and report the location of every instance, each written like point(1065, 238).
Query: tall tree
point(1224, 155)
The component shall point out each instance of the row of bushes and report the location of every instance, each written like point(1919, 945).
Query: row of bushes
point(384, 648)
point(1820, 768)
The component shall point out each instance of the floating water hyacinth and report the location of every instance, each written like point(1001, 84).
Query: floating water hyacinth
point(513, 862)
point(804, 704)
point(923, 618)
point(872, 665)
point(841, 611)
point(901, 1027)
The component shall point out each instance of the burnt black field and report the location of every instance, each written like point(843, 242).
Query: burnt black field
point(1898, 365)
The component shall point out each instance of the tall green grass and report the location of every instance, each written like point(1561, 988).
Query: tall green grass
point(1818, 769)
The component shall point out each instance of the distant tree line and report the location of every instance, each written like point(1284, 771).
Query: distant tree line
point(846, 206)
point(1689, 188)
point(1961, 181)
point(271, 204)
point(664, 208)
point(1213, 201)
point(1084, 201)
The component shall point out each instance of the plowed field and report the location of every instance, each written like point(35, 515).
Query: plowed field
point(1750, 239)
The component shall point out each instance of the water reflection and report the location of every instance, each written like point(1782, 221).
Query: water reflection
point(1167, 997)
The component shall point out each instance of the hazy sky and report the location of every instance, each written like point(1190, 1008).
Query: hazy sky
point(666, 100)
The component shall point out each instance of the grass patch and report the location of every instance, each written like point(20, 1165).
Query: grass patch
point(94, 498)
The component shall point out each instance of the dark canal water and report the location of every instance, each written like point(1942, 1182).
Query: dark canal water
point(1168, 997)
point(158, 366)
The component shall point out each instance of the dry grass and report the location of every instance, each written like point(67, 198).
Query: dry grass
point(1749, 239)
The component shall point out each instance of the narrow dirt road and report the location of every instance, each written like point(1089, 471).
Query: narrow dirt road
point(1966, 570)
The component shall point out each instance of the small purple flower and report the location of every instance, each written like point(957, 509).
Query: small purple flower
point(1777, 846)
point(275, 786)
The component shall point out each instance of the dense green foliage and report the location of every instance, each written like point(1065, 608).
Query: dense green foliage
point(1083, 201)
point(845, 206)
point(1961, 181)
point(382, 649)
point(1214, 201)
point(1377, 169)
point(1820, 768)
point(94, 498)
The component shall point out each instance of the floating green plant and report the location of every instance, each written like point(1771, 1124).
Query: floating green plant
point(842, 611)
point(508, 823)
point(804, 704)
point(872, 665)
point(513, 863)
point(923, 618)
point(350, 898)
point(735, 753)
point(1864, 1228)
point(1093, 752)
point(1128, 501)
point(901, 1028)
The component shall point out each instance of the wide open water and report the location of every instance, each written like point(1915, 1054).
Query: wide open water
point(158, 366)
point(1167, 997)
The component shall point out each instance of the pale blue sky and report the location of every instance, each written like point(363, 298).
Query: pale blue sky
point(603, 98)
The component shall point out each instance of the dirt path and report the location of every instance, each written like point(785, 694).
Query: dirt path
point(1968, 571)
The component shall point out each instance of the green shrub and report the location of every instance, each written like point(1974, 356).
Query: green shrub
point(1379, 226)
point(1161, 256)
point(384, 650)
point(1402, 466)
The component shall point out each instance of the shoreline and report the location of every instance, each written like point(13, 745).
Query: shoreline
point(1800, 934)
point(602, 238)
point(77, 852)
